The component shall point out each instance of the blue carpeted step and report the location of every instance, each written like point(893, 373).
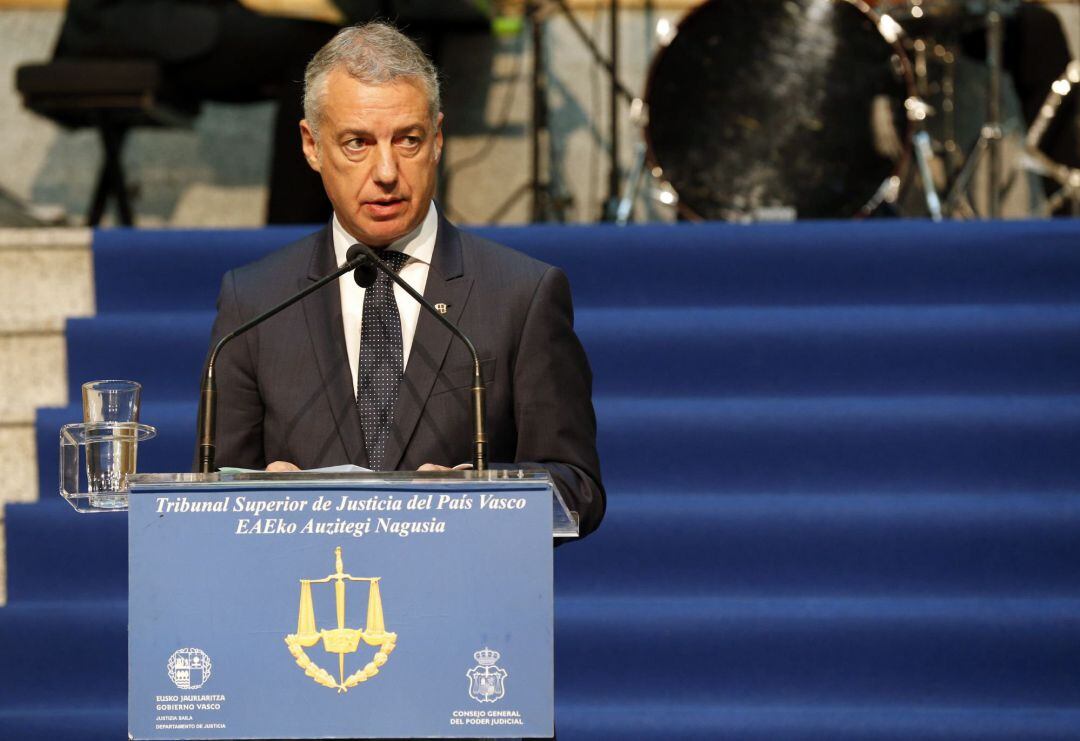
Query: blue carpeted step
point(701, 543)
point(851, 350)
point(162, 351)
point(577, 718)
point(663, 352)
point(951, 651)
point(953, 443)
point(54, 553)
point(52, 720)
point(64, 651)
point(136, 270)
point(830, 263)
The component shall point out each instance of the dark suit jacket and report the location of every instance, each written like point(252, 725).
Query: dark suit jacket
point(285, 389)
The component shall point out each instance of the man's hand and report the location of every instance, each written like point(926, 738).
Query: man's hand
point(437, 467)
point(282, 467)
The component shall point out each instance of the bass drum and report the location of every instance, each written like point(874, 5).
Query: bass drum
point(758, 105)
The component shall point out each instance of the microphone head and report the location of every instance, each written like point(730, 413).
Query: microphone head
point(366, 271)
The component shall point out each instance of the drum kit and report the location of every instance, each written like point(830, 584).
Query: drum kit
point(782, 109)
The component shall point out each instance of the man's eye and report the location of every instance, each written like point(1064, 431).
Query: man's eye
point(411, 141)
point(356, 145)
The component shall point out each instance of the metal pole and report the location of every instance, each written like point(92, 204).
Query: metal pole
point(614, 178)
point(994, 41)
point(539, 114)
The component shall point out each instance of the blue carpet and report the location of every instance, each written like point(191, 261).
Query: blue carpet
point(843, 465)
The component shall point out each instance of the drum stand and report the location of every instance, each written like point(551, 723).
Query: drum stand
point(624, 209)
point(617, 90)
point(924, 158)
point(1041, 164)
point(545, 205)
point(545, 202)
point(989, 144)
point(918, 111)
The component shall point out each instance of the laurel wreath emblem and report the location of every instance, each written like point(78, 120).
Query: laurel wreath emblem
point(323, 677)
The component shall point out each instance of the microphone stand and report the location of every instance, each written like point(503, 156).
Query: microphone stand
point(479, 391)
point(208, 395)
point(359, 256)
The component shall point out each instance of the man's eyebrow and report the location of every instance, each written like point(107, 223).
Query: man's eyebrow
point(412, 128)
point(408, 129)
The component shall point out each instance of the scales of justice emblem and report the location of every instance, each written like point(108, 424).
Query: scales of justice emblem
point(341, 640)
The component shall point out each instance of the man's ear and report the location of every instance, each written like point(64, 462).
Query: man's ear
point(438, 137)
point(311, 146)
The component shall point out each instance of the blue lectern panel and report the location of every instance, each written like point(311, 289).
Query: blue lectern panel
point(321, 612)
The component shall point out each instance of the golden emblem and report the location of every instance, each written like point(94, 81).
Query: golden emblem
point(341, 640)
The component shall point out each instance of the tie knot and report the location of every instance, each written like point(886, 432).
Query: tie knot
point(396, 260)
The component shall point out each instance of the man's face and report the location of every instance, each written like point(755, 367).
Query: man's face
point(377, 154)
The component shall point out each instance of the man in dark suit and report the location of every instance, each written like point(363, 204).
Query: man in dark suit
point(362, 376)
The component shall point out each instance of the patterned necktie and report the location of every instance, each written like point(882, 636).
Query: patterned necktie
point(380, 369)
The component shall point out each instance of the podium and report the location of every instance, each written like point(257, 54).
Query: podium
point(342, 605)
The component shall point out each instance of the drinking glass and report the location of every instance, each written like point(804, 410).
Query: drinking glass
point(107, 405)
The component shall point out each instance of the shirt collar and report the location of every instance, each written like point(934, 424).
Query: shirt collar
point(419, 244)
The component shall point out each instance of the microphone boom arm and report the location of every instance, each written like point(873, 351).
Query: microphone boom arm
point(208, 396)
point(479, 391)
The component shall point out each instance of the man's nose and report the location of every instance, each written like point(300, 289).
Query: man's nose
point(385, 165)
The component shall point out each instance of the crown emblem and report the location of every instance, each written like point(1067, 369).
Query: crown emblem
point(487, 682)
point(486, 657)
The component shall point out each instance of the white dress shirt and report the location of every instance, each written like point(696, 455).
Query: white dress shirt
point(419, 245)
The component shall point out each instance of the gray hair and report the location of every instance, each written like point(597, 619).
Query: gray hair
point(375, 54)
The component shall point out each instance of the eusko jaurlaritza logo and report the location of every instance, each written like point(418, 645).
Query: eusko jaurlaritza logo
point(189, 668)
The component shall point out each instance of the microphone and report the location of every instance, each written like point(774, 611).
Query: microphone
point(479, 391)
point(366, 271)
point(208, 395)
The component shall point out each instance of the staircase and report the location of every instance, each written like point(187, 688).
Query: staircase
point(46, 277)
point(843, 467)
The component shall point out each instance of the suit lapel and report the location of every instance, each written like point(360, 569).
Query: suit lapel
point(447, 284)
point(323, 314)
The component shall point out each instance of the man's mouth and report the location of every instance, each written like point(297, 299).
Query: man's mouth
point(383, 207)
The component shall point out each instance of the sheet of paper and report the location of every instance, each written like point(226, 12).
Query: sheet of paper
point(346, 468)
